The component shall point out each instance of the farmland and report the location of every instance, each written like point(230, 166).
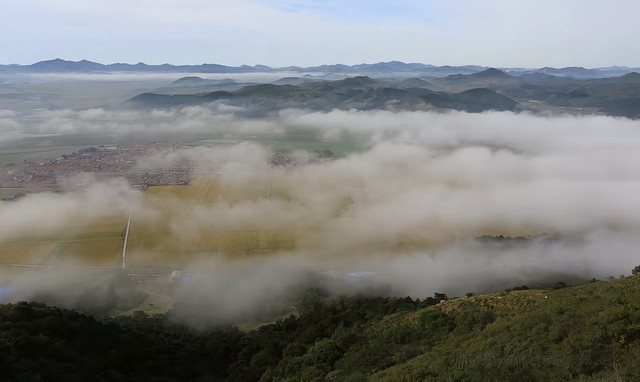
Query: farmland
point(300, 142)
point(154, 239)
point(162, 232)
point(98, 242)
point(161, 241)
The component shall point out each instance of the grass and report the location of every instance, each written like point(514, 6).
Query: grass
point(4, 192)
point(586, 330)
point(339, 149)
point(10, 158)
point(303, 142)
point(17, 156)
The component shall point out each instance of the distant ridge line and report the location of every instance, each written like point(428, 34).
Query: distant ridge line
point(59, 65)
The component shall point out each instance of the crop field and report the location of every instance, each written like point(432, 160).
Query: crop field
point(176, 225)
point(339, 149)
point(160, 242)
point(18, 155)
point(153, 240)
point(96, 243)
point(4, 192)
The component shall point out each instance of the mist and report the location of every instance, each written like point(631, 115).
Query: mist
point(406, 208)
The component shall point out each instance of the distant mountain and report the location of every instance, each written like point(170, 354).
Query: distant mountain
point(59, 65)
point(390, 85)
point(360, 93)
point(62, 66)
point(491, 73)
point(490, 89)
point(199, 81)
point(474, 101)
point(292, 80)
point(415, 83)
point(381, 68)
point(576, 72)
point(483, 78)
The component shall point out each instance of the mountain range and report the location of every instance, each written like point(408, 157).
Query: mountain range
point(393, 86)
point(64, 66)
point(490, 89)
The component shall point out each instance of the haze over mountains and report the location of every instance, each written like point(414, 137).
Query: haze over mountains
point(489, 89)
point(64, 66)
point(396, 86)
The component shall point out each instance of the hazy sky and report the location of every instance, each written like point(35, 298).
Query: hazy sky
point(527, 33)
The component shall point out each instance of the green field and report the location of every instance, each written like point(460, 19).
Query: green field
point(32, 154)
point(9, 158)
point(339, 149)
point(4, 192)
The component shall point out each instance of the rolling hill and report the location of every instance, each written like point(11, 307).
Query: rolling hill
point(587, 332)
point(360, 93)
point(490, 89)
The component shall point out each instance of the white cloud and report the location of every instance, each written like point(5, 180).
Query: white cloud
point(408, 207)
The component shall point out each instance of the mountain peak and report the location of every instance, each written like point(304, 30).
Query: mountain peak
point(491, 73)
point(60, 65)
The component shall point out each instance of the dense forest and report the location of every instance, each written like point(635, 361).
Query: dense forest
point(582, 332)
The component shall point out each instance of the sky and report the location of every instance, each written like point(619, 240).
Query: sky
point(278, 33)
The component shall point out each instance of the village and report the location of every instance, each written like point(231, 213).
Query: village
point(103, 161)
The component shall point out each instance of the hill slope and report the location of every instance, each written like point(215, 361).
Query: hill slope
point(584, 332)
point(490, 89)
point(360, 93)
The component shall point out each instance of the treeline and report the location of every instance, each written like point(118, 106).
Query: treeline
point(585, 332)
point(42, 343)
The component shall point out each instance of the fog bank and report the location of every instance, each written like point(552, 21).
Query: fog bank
point(406, 208)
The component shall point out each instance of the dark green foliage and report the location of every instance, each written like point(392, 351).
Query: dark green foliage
point(472, 319)
point(46, 343)
point(42, 343)
point(560, 285)
point(435, 321)
point(586, 332)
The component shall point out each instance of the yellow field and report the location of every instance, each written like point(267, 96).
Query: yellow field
point(152, 241)
point(156, 242)
point(97, 243)
point(209, 190)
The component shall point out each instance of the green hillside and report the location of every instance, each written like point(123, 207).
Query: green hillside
point(581, 333)
point(491, 89)
point(586, 332)
point(359, 93)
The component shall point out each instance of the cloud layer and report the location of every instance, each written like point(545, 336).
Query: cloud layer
point(406, 208)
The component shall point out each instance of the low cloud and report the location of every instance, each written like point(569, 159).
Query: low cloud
point(407, 208)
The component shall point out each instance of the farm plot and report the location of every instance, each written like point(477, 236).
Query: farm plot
point(96, 243)
point(185, 227)
point(170, 227)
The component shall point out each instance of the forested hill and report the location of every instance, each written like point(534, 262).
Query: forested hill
point(490, 89)
point(582, 332)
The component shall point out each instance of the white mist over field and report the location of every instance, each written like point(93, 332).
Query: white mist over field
point(407, 208)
